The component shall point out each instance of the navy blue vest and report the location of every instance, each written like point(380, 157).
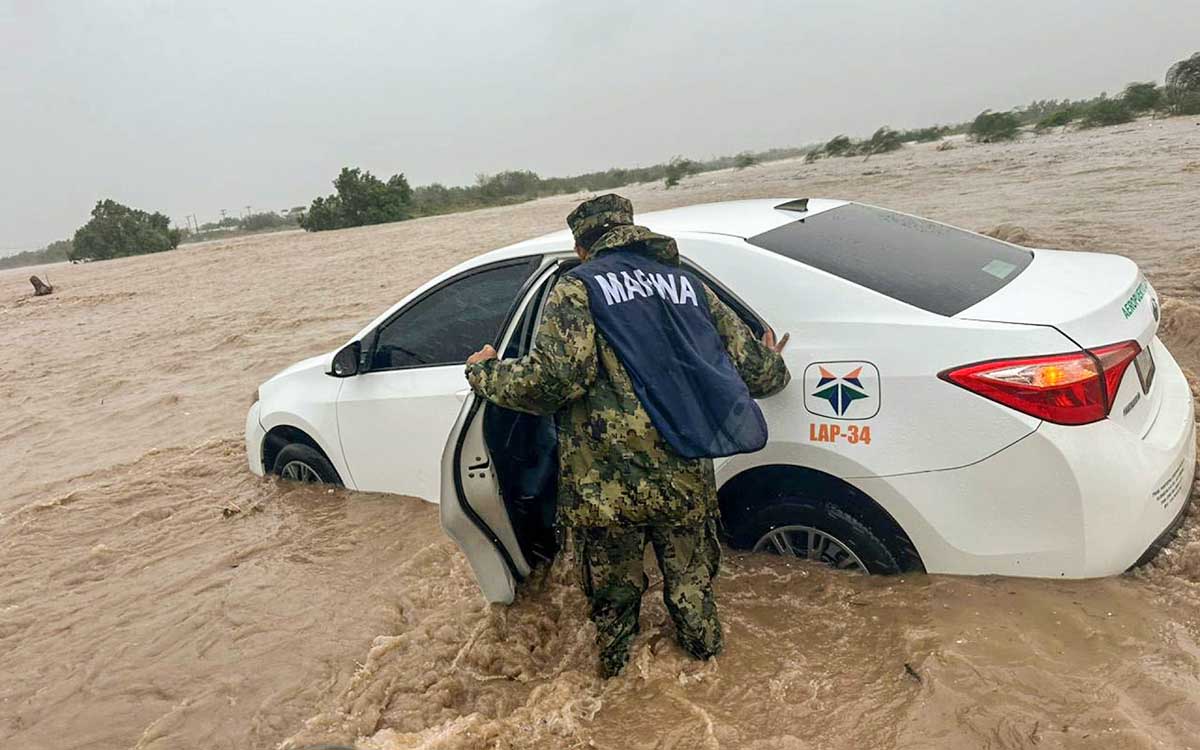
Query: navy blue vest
point(656, 318)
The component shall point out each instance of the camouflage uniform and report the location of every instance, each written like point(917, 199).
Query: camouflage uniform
point(620, 484)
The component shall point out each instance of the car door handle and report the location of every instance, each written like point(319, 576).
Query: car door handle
point(462, 395)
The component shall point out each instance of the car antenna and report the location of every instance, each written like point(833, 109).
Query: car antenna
point(800, 205)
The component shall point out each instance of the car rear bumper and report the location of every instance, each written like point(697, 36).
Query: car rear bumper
point(254, 440)
point(1073, 502)
point(1166, 537)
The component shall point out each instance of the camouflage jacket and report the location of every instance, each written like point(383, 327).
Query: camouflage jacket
point(614, 468)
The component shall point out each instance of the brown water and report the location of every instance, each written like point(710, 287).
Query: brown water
point(156, 595)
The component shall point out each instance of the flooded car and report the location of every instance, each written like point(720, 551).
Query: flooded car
point(959, 404)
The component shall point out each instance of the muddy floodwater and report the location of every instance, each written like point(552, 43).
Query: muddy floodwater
point(154, 594)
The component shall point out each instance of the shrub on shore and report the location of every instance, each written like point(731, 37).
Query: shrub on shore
point(55, 252)
point(839, 145)
point(1142, 97)
point(677, 169)
point(744, 160)
point(116, 231)
point(361, 199)
point(924, 135)
point(1106, 112)
point(882, 141)
point(1061, 118)
point(991, 127)
point(1186, 103)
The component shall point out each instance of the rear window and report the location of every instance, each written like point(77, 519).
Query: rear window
point(928, 265)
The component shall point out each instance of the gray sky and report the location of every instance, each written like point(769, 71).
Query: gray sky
point(190, 107)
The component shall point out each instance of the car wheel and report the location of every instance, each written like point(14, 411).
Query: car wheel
point(816, 530)
point(298, 462)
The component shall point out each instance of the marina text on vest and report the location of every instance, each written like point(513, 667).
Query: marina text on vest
point(623, 288)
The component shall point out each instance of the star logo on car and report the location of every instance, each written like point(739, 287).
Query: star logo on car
point(840, 391)
point(845, 390)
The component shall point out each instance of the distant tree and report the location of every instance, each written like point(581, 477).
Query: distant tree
point(55, 252)
point(324, 213)
point(1106, 112)
point(744, 160)
point(509, 184)
point(990, 127)
point(1142, 97)
point(116, 231)
point(884, 140)
point(265, 220)
point(360, 199)
point(1185, 103)
point(1061, 118)
point(677, 169)
point(839, 145)
point(923, 135)
point(1182, 84)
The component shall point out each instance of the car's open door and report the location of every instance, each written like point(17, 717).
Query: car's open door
point(500, 470)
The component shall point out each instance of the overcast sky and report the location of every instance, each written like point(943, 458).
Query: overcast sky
point(190, 107)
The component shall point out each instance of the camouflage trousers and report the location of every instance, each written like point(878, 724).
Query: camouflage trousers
point(612, 573)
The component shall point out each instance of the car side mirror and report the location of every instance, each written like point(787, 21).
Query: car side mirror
point(345, 362)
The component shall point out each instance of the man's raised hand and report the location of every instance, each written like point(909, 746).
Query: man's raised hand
point(769, 341)
point(484, 354)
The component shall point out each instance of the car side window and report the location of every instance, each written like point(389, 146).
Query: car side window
point(740, 308)
point(450, 323)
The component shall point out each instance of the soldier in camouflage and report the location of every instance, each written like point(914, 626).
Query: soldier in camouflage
point(620, 484)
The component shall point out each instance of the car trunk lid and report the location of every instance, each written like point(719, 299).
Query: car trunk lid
point(1094, 300)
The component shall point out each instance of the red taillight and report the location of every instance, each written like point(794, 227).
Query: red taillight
point(1072, 389)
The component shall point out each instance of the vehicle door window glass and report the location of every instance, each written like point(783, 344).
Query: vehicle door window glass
point(740, 308)
point(450, 323)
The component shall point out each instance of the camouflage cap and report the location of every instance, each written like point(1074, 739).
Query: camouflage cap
point(594, 217)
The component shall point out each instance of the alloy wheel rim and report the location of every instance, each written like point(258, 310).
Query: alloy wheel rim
point(810, 543)
point(298, 471)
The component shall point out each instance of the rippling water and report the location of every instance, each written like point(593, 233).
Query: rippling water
point(156, 595)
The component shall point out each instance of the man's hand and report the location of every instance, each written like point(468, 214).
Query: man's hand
point(768, 340)
point(486, 353)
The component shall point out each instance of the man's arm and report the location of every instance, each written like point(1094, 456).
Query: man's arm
point(758, 362)
point(561, 365)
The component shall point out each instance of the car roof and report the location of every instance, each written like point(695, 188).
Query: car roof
point(743, 219)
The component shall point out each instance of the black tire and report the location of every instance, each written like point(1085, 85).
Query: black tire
point(826, 517)
point(306, 455)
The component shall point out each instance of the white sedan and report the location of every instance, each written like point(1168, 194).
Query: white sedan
point(958, 404)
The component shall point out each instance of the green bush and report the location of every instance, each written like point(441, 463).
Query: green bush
point(515, 183)
point(677, 169)
point(262, 221)
point(361, 199)
point(1106, 112)
point(744, 160)
point(881, 142)
point(839, 145)
point(990, 127)
point(923, 135)
point(116, 231)
point(1184, 103)
point(55, 252)
point(1142, 97)
point(1057, 119)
